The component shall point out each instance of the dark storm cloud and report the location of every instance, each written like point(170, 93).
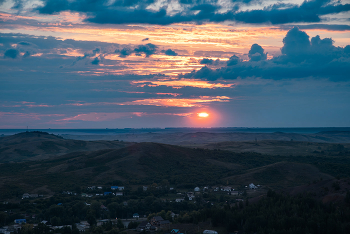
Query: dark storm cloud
point(169, 52)
point(147, 49)
point(206, 61)
point(124, 52)
point(256, 53)
point(11, 53)
point(96, 61)
point(329, 27)
point(301, 58)
point(213, 62)
point(136, 11)
point(233, 60)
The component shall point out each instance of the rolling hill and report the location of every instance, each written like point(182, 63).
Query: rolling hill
point(30, 146)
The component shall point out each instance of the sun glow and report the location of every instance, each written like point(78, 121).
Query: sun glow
point(203, 114)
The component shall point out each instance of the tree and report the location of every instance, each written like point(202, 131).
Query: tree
point(120, 224)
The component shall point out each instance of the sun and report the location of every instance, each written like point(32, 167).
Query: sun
point(203, 114)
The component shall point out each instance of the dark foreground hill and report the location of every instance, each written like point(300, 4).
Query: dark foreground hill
point(41, 145)
point(147, 163)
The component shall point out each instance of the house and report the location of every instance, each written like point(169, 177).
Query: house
point(136, 216)
point(144, 225)
point(210, 232)
point(107, 193)
point(114, 187)
point(26, 195)
point(175, 231)
point(119, 194)
point(99, 187)
point(104, 208)
point(4, 231)
point(197, 189)
point(155, 221)
point(20, 221)
point(121, 188)
point(252, 186)
point(145, 188)
point(226, 189)
point(179, 200)
point(164, 223)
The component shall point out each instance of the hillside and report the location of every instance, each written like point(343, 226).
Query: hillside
point(200, 138)
point(147, 163)
point(285, 148)
point(280, 175)
point(30, 146)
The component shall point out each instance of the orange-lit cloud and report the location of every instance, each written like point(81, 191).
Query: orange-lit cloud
point(183, 83)
point(180, 102)
point(96, 117)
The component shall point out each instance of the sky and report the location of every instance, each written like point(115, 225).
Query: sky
point(159, 63)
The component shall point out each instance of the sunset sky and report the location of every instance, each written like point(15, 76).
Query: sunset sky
point(160, 63)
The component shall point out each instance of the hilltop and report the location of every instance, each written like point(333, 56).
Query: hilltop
point(30, 146)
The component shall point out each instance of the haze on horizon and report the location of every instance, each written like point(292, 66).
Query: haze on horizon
point(149, 63)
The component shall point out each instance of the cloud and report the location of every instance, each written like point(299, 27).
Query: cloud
point(256, 53)
point(179, 102)
point(89, 55)
point(169, 52)
point(233, 60)
point(11, 53)
point(206, 61)
point(301, 58)
point(177, 84)
point(145, 39)
point(329, 27)
point(96, 61)
point(213, 62)
point(138, 11)
point(147, 49)
point(124, 52)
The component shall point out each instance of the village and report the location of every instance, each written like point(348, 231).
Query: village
point(136, 222)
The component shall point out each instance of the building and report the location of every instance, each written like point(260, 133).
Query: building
point(197, 189)
point(210, 232)
point(114, 187)
point(136, 216)
point(252, 186)
point(20, 221)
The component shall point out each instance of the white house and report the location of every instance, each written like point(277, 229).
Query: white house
point(210, 232)
point(197, 189)
point(252, 186)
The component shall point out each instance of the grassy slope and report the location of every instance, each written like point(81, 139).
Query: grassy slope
point(29, 146)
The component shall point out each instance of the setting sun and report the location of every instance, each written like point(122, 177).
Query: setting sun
point(203, 114)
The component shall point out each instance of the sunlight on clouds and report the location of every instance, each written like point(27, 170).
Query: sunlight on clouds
point(182, 83)
point(181, 102)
